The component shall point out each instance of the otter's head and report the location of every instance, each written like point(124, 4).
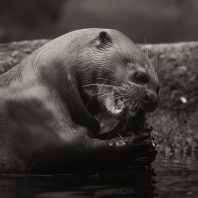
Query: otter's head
point(119, 75)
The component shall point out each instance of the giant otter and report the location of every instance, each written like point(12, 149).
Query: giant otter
point(49, 100)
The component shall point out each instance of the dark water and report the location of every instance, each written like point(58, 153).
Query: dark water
point(169, 176)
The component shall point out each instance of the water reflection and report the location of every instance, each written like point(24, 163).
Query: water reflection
point(173, 176)
point(176, 175)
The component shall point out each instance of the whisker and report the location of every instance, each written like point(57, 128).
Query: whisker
point(120, 136)
point(158, 109)
point(113, 98)
point(102, 95)
point(105, 104)
point(156, 61)
point(134, 101)
point(93, 95)
point(98, 84)
point(128, 53)
point(107, 111)
point(107, 80)
point(136, 104)
point(126, 105)
point(146, 50)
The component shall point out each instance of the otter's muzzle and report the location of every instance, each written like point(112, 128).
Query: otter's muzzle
point(150, 102)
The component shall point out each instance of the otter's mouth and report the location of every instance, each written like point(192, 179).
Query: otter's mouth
point(119, 103)
point(121, 109)
point(123, 105)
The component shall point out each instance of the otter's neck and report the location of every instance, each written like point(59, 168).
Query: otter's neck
point(76, 101)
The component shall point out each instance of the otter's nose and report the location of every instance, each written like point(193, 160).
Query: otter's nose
point(150, 102)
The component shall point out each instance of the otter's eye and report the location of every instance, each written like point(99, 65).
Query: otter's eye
point(141, 77)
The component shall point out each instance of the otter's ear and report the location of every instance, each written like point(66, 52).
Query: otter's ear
point(104, 37)
point(103, 40)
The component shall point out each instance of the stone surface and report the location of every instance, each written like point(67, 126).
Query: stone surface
point(175, 122)
point(13, 53)
point(176, 119)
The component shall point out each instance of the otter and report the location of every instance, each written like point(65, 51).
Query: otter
point(49, 101)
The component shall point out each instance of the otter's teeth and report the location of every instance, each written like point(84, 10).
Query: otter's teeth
point(119, 105)
point(117, 111)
